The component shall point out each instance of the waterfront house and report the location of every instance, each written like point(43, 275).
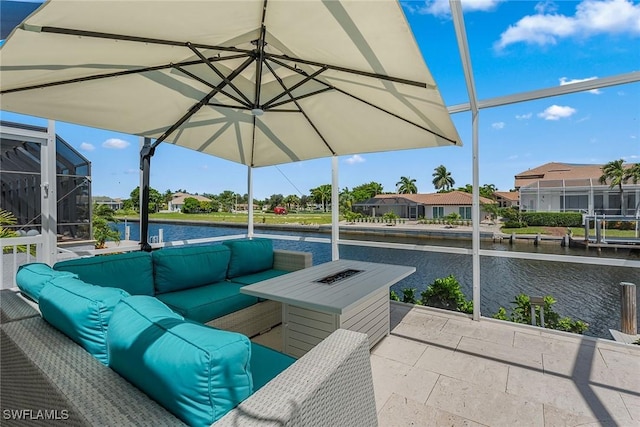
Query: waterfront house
point(566, 187)
point(414, 206)
point(507, 199)
point(177, 201)
point(115, 204)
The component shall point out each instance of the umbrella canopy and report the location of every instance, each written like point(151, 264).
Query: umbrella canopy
point(256, 82)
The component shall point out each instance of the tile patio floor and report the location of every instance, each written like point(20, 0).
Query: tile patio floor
point(440, 369)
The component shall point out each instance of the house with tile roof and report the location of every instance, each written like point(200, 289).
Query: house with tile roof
point(507, 199)
point(177, 201)
point(414, 206)
point(566, 187)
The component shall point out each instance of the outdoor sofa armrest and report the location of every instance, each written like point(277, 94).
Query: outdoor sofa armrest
point(291, 260)
point(331, 385)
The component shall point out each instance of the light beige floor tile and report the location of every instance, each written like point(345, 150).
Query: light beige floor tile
point(552, 344)
point(390, 376)
point(426, 335)
point(480, 330)
point(498, 353)
point(621, 360)
point(462, 366)
point(399, 349)
point(401, 412)
point(555, 417)
point(424, 320)
point(633, 406)
point(484, 405)
point(567, 394)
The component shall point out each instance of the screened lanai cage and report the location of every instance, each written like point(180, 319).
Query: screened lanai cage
point(525, 82)
point(22, 183)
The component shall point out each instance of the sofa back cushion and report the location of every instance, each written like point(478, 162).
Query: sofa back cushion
point(81, 311)
point(31, 278)
point(131, 271)
point(196, 372)
point(249, 256)
point(189, 267)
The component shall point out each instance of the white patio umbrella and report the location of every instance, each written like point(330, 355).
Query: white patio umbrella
point(258, 82)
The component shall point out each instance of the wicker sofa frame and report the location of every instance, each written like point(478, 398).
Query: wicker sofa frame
point(48, 379)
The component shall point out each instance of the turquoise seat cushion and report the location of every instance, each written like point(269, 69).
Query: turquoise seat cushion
point(131, 271)
point(81, 311)
point(249, 256)
point(266, 364)
point(183, 268)
point(31, 278)
point(196, 372)
point(205, 303)
point(250, 279)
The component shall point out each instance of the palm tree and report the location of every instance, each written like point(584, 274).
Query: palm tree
point(346, 199)
point(406, 185)
point(616, 174)
point(633, 173)
point(322, 194)
point(442, 179)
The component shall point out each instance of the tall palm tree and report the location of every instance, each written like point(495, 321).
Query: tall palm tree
point(406, 185)
point(442, 179)
point(615, 174)
point(322, 194)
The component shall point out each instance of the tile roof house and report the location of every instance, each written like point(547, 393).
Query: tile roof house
point(177, 201)
point(507, 199)
point(414, 206)
point(566, 187)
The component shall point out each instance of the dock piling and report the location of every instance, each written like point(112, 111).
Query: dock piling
point(628, 316)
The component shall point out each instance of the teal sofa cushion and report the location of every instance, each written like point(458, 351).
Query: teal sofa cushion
point(209, 302)
point(249, 256)
point(183, 268)
point(250, 279)
point(131, 271)
point(266, 364)
point(31, 278)
point(81, 311)
point(196, 372)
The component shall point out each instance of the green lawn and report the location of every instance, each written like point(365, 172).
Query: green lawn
point(305, 218)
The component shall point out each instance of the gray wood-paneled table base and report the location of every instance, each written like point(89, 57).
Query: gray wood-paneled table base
point(312, 310)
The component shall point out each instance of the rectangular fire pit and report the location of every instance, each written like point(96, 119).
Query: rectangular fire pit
point(339, 276)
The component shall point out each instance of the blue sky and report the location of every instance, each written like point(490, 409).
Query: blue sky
point(515, 46)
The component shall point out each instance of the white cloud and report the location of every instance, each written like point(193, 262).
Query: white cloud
point(513, 157)
point(524, 116)
point(498, 125)
point(557, 112)
point(547, 6)
point(131, 171)
point(356, 158)
point(566, 81)
point(441, 7)
point(591, 17)
point(85, 146)
point(116, 143)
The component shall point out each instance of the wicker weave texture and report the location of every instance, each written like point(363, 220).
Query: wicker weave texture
point(291, 260)
point(14, 307)
point(63, 375)
point(330, 386)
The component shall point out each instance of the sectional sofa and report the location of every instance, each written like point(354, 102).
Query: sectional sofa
point(125, 319)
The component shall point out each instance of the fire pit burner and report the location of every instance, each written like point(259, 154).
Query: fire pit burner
point(337, 277)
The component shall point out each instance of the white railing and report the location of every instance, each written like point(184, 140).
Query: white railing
point(17, 251)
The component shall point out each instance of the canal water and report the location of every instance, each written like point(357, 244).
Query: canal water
point(586, 292)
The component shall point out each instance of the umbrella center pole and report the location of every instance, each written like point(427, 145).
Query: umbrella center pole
point(146, 152)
